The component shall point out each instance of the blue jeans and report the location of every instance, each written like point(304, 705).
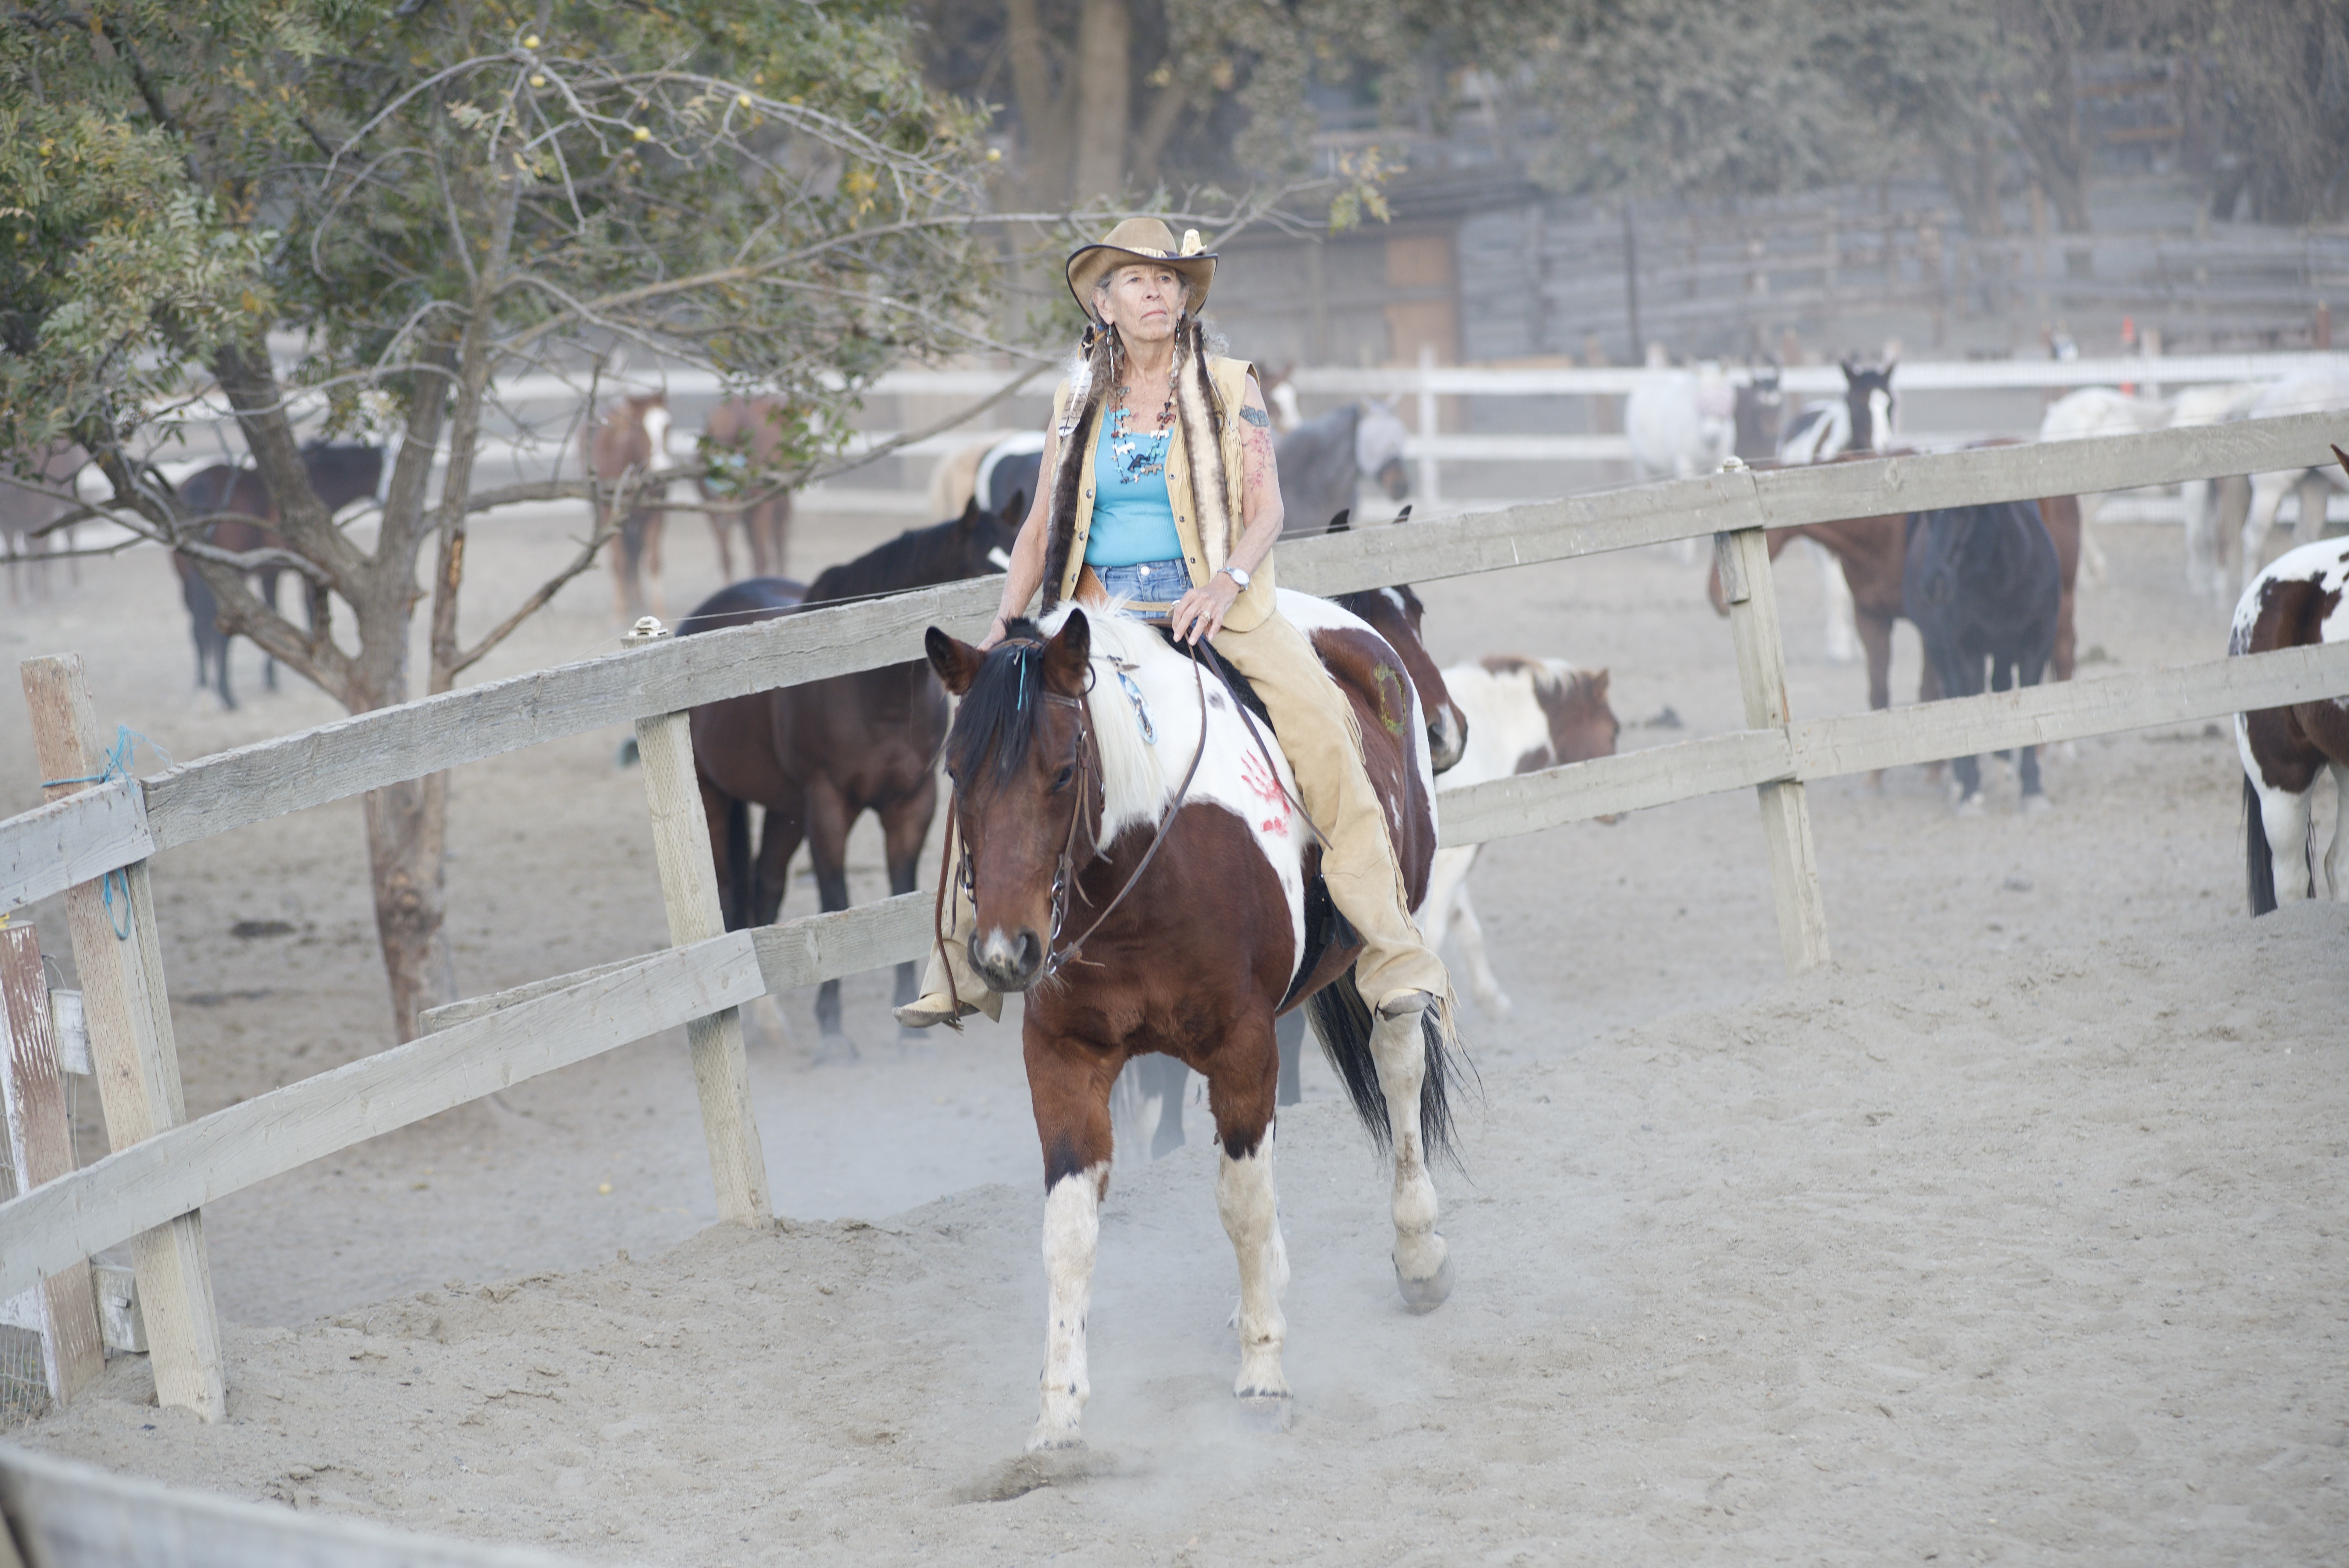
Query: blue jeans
point(1151, 588)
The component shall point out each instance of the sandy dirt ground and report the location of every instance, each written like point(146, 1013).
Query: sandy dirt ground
point(2010, 1236)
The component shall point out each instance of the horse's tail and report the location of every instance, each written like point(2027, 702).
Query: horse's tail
point(1344, 1020)
point(2259, 855)
point(739, 876)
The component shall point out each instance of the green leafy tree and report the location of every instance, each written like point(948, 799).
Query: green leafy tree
point(371, 215)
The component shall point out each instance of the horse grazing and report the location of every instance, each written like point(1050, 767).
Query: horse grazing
point(630, 444)
point(1524, 715)
point(739, 443)
point(818, 756)
point(1127, 836)
point(1324, 460)
point(2294, 602)
point(1982, 583)
point(1681, 423)
point(339, 473)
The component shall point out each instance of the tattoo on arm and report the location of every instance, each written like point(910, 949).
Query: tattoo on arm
point(1257, 449)
point(1256, 417)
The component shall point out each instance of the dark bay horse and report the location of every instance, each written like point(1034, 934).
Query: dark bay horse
point(818, 756)
point(1324, 460)
point(2294, 602)
point(1982, 585)
point(340, 473)
point(1091, 761)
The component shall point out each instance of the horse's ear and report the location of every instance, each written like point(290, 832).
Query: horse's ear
point(1403, 516)
point(1342, 522)
point(1599, 687)
point(1015, 512)
point(971, 512)
point(957, 661)
point(1890, 366)
point(2342, 457)
point(1068, 653)
point(1850, 374)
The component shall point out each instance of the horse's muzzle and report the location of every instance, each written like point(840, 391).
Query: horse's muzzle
point(1447, 738)
point(1395, 476)
point(1007, 961)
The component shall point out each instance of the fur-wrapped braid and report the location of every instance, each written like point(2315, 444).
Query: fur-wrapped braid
point(1203, 441)
point(1090, 384)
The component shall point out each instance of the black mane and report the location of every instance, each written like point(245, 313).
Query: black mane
point(917, 558)
point(994, 724)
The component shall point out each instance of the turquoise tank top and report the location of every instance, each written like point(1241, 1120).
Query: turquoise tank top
point(1134, 521)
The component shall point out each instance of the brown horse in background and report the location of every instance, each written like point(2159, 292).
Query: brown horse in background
point(818, 756)
point(1073, 759)
point(739, 443)
point(339, 473)
point(630, 444)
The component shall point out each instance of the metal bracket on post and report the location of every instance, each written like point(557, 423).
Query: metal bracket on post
point(722, 1070)
point(1745, 581)
point(118, 957)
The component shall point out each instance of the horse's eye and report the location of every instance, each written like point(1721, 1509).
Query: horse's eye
point(1062, 781)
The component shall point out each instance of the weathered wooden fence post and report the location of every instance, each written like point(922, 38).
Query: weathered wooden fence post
point(118, 956)
point(1744, 559)
point(40, 1146)
point(690, 887)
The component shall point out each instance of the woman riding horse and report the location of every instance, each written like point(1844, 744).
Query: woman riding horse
point(1163, 494)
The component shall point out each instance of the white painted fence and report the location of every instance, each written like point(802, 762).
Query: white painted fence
point(150, 1190)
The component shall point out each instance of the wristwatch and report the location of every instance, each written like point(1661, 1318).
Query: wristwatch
point(1238, 576)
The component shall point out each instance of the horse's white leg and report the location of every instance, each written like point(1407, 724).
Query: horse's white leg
point(2284, 816)
point(1422, 1261)
point(2092, 554)
point(1843, 629)
point(1445, 877)
point(2267, 499)
point(1482, 982)
point(1071, 1234)
point(1251, 1216)
point(2315, 496)
point(2336, 853)
point(2205, 579)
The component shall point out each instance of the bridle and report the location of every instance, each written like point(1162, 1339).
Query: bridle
point(1065, 870)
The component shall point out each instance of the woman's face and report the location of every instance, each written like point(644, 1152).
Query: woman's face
point(1141, 302)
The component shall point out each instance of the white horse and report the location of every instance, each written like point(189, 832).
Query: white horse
point(2098, 411)
point(2310, 392)
point(1523, 715)
point(1681, 423)
point(1864, 419)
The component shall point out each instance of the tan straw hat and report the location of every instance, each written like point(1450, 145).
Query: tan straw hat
point(1142, 240)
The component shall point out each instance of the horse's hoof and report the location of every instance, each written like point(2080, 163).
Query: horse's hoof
point(1426, 1295)
point(2036, 802)
point(834, 1050)
point(1267, 1412)
point(1969, 806)
point(1049, 1439)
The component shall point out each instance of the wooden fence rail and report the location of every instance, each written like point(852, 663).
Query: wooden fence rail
point(42, 853)
point(150, 1190)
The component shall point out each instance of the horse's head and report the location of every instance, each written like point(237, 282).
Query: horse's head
point(1761, 413)
point(1024, 796)
point(1867, 392)
point(1379, 435)
point(1395, 613)
point(982, 539)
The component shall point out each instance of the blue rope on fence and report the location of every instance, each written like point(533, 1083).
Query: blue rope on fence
point(118, 766)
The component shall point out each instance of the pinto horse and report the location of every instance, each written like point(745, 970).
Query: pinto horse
point(818, 756)
point(1138, 870)
point(1524, 715)
point(1149, 1095)
point(2296, 601)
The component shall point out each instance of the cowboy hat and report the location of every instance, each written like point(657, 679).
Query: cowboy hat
point(1142, 240)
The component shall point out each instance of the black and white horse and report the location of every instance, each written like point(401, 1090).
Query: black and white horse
point(1983, 585)
point(1863, 420)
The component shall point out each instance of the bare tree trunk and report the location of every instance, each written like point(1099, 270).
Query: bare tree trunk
point(1043, 114)
point(408, 835)
point(1104, 95)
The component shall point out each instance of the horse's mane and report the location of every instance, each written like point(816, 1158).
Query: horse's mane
point(995, 723)
point(896, 564)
